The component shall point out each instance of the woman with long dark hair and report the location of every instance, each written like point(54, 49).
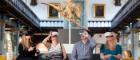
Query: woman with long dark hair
point(26, 49)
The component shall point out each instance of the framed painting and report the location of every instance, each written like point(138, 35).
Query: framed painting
point(52, 12)
point(99, 10)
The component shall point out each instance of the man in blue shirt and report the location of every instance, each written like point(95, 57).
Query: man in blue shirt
point(83, 50)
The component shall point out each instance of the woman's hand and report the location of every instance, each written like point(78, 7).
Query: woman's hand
point(31, 49)
point(50, 33)
point(118, 56)
point(47, 38)
point(107, 56)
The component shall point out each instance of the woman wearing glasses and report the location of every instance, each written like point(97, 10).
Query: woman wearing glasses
point(55, 50)
point(26, 49)
point(110, 50)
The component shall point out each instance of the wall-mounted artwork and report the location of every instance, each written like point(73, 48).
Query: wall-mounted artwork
point(70, 11)
point(99, 10)
point(53, 13)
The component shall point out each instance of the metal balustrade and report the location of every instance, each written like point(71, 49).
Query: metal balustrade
point(52, 23)
point(59, 23)
point(20, 6)
point(99, 23)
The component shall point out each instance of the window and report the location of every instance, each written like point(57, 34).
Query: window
point(99, 10)
point(33, 2)
point(117, 2)
point(53, 13)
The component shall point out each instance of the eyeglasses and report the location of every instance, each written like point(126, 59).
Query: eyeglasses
point(110, 36)
point(54, 36)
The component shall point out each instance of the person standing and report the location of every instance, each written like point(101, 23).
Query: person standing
point(83, 50)
point(110, 50)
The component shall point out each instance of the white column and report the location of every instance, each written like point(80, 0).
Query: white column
point(69, 33)
point(139, 45)
point(9, 52)
point(136, 48)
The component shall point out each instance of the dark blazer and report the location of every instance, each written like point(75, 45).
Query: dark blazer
point(24, 54)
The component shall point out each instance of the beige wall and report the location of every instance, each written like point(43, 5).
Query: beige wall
point(99, 38)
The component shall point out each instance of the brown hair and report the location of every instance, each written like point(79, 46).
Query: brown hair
point(26, 43)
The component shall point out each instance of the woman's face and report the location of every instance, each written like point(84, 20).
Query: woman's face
point(110, 38)
point(54, 38)
point(28, 37)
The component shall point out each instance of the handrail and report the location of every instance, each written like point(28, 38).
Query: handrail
point(99, 23)
point(52, 23)
point(51, 20)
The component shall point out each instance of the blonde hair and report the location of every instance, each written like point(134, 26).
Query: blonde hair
point(111, 44)
point(26, 43)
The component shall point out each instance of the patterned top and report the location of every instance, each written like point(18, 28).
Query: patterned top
point(55, 52)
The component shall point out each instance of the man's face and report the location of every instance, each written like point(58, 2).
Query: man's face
point(84, 37)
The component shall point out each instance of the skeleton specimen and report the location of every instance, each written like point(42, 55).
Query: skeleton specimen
point(69, 11)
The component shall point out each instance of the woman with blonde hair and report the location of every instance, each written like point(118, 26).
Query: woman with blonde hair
point(110, 50)
point(55, 49)
point(26, 49)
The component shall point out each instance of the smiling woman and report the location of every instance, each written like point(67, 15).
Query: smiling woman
point(110, 50)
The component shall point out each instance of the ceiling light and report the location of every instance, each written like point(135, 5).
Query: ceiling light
point(138, 19)
point(11, 18)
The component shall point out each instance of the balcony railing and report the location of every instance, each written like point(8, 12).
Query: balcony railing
point(60, 23)
point(52, 23)
point(99, 23)
point(124, 11)
point(20, 6)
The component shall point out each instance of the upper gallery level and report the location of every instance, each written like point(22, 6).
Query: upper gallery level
point(94, 13)
point(17, 9)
